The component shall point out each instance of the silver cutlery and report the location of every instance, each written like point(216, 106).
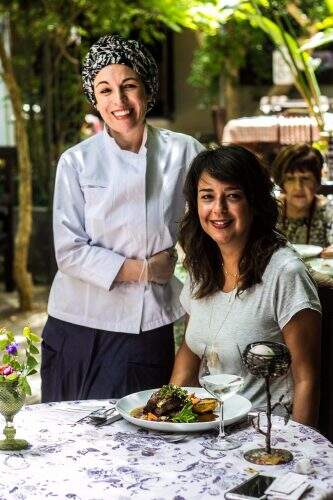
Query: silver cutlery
point(109, 420)
point(101, 415)
point(169, 438)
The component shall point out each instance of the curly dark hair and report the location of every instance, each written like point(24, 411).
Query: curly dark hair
point(203, 258)
point(299, 157)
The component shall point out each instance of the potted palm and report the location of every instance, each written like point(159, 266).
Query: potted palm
point(286, 25)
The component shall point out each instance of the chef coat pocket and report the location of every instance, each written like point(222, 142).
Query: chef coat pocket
point(99, 201)
point(94, 193)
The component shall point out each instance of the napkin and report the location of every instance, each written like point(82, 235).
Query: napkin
point(289, 486)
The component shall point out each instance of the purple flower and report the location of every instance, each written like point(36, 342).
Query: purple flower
point(12, 348)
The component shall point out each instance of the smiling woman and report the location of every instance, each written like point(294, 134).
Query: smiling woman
point(122, 103)
point(117, 198)
point(303, 217)
point(245, 283)
point(223, 211)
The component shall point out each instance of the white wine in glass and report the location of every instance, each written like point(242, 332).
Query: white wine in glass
point(221, 385)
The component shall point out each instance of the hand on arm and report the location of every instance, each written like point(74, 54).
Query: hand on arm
point(161, 266)
point(302, 336)
point(132, 270)
point(157, 269)
point(186, 367)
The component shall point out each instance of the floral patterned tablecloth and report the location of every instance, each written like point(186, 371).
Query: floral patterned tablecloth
point(122, 461)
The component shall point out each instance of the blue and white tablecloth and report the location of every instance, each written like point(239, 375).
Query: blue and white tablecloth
point(121, 461)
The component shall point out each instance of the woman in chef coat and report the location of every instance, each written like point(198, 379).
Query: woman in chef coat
point(117, 201)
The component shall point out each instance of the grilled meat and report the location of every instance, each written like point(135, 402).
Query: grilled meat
point(169, 399)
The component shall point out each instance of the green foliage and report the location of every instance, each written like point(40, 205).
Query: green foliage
point(186, 414)
point(235, 45)
point(49, 40)
point(16, 366)
point(171, 390)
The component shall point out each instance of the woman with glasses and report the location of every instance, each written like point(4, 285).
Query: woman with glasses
point(303, 218)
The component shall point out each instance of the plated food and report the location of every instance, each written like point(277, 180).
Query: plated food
point(175, 404)
point(235, 408)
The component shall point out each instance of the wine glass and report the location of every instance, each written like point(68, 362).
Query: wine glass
point(222, 385)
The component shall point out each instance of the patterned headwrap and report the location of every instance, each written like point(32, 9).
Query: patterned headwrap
point(113, 49)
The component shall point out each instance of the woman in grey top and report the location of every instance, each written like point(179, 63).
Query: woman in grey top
point(245, 284)
point(118, 198)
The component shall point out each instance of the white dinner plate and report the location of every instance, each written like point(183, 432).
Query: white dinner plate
point(308, 251)
point(235, 408)
point(324, 266)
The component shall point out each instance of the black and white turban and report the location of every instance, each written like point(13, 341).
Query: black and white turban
point(113, 49)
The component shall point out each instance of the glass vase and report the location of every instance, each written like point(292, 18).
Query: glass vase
point(12, 398)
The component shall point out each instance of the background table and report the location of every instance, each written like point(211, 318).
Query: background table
point(119, 461)
point(271, 129)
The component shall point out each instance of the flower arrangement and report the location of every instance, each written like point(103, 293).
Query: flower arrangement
point(16, 365)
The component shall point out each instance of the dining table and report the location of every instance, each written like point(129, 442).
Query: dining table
point(70, 458)
point(277, 129)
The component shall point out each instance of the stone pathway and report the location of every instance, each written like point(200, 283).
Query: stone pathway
point(13, 319)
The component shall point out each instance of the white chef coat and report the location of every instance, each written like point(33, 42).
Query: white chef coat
point(111, 204)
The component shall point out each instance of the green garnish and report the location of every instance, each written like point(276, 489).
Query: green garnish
point(173, 390)
point(185, 415)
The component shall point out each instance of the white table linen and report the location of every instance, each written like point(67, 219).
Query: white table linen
point(119, 461)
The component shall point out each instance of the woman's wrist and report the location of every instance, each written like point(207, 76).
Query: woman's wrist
point(132, 270)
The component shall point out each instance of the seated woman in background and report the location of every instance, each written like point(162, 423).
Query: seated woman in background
point(245, 283)
point(303, 218)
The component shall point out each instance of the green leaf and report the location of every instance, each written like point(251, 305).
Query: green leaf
point(30, 335)
point(24, 385)
point(185, 415)
point(12, 377)
point(10, 336)
point(329, 5)
point(33, 349)
point(324, 25)
point(6, 358)
point(32, 372)
point(35, 338)
point(3, 344)
point(16, 365)
point(31, 362)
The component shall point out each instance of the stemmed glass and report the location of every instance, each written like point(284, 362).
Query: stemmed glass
point(221, 384)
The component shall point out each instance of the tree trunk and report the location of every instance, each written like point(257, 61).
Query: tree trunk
point(22, 277)
point(231, 94)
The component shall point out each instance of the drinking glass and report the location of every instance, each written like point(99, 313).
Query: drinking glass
point(222, 385)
